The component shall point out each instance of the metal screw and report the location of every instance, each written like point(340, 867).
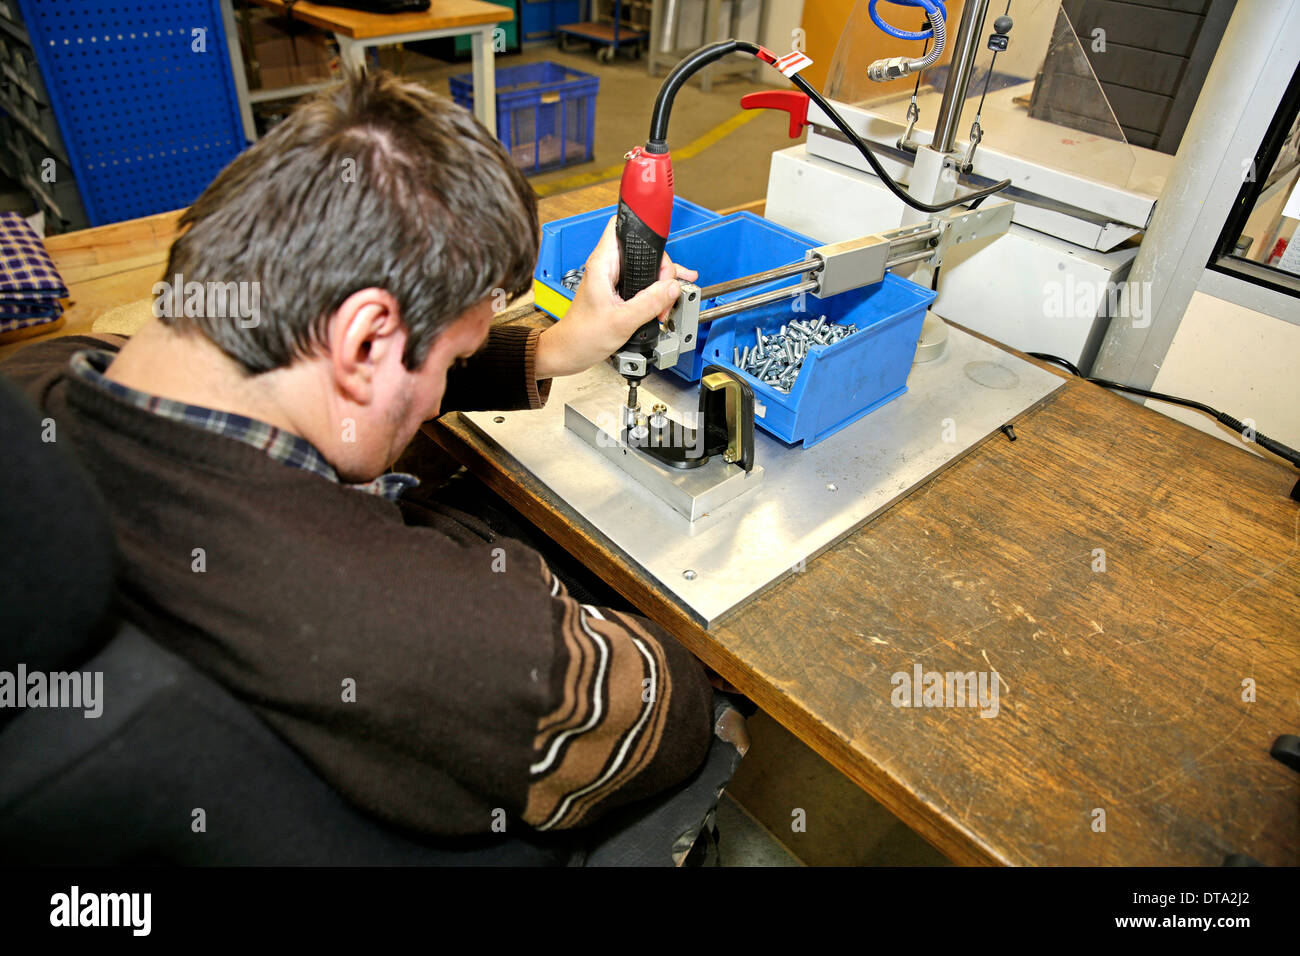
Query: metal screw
point(573, 278)
point(688, 574)
point(831, 486)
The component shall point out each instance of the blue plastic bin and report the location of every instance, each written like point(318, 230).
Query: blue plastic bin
point(720, 249)
point(839, 383)
point(546, 113)
point(566, 244)
point(738, 245)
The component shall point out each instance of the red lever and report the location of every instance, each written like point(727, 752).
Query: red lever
point(789, 101)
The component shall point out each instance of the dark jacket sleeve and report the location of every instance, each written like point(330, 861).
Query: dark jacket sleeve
point(499, 377)
point(562, 711)
point(631, 714)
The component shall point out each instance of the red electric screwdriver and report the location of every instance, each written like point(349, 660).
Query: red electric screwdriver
point(645, 212)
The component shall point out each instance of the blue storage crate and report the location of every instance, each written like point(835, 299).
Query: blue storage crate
point(720, 249)
point(738, 245)
point(566, 244)
point(546, 113)
point(839, 383)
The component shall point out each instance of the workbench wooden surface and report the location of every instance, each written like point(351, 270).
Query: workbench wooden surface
point(442, 14)
point(1130, 579)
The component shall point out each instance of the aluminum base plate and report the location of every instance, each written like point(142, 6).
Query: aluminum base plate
point(807, 500)
point(693, 493)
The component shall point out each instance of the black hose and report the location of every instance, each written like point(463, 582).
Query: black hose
point(683, 71)
point(658, 142)
point(870, 157)
point(1223, 418)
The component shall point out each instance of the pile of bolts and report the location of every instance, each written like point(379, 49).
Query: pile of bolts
point(573, 278)
point(776, 359)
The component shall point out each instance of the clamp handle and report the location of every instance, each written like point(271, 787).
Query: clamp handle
point(788, 101)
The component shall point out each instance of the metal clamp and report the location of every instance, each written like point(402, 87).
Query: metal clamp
point(681, 329)
point(990, 220)
point(828, 270)
point(845, 265)
point(630, 363)
point(976, 135)
point(913, 115)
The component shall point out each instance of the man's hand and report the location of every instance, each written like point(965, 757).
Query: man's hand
point(599, 323)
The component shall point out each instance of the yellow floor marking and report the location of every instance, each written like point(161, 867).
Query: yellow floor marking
point(691, 149)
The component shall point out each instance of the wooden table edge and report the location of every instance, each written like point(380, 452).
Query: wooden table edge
point(335, 19)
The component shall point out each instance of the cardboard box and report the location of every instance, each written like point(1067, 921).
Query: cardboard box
point(289, 53)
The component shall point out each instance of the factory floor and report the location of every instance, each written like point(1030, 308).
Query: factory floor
point(721, 153)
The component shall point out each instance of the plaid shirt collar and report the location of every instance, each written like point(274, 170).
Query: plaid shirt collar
point(286, 448)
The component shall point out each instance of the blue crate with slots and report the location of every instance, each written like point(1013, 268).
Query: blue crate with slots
point(546, 113)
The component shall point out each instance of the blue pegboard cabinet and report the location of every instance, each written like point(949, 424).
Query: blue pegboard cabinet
point(143, 97)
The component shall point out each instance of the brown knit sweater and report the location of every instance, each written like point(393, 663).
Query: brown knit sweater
point(476, 689)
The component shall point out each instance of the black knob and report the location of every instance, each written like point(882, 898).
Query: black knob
point(1286, 748)
point(1002, 24)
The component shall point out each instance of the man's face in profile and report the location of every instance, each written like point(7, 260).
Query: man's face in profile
point(416, 395)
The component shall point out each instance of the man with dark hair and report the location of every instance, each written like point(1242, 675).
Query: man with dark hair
point(438, 676)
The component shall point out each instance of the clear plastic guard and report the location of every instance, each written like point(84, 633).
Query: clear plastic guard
point(1044, 103)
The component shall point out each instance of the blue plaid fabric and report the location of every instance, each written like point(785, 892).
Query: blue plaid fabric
point(30, 286)
point(286, 448)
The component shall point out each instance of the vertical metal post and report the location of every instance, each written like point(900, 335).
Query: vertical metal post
point(237, 71)
point(965, 45)
point(352, 53)
point(1255, 60)
point(485, 77)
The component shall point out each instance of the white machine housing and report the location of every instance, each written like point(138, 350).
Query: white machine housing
point(1050, 284)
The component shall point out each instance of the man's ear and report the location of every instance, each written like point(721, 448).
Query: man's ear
point(365, 335)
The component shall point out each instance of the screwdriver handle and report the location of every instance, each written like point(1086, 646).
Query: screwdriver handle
point(640, 250)
point(645, 211)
